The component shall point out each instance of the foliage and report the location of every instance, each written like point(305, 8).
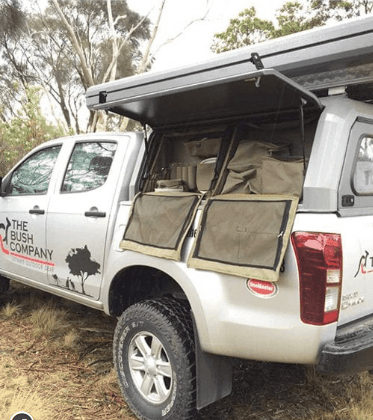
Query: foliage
point(13, 77)
point(292, 17)
point(247, 29)
point(26, 130)
point(340, 10)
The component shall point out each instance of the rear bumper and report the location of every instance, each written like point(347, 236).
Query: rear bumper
point(351, 352)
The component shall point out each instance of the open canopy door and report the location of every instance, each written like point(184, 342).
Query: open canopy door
point(209, 94)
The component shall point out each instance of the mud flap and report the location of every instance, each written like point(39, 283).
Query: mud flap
point(214, 375)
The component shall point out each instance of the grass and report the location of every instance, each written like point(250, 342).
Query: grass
point(28, 398)
point(10, 310)
point(55, 359)
point(56, 363)
point(70, 340)
point(49, 320)
point(363, 410)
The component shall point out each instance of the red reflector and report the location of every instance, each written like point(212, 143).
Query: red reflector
point(319, 258)
point(330, 317)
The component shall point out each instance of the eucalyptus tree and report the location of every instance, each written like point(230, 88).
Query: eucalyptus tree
point(66, 47)
point(85, 42)
point(14, 76)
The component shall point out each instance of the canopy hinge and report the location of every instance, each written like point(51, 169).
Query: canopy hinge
point(256, 60)
point(102, 97)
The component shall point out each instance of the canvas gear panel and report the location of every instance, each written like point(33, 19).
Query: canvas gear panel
point(244, 235)
point(159, 223)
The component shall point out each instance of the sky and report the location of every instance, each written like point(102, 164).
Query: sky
point(194, 44)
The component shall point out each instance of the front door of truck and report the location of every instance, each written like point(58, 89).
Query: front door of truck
point(78, 219)
point(23, 212)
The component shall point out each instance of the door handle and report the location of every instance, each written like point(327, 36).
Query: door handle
point(36, 211)
point(95, 214)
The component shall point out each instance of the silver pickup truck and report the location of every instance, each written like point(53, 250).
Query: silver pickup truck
point(239, 224)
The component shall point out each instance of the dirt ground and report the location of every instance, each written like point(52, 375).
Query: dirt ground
point(56, 363)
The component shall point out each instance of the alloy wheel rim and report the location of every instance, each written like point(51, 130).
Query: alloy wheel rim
point(150, 367)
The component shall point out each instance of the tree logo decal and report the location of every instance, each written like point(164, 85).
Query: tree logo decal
point(81, 265)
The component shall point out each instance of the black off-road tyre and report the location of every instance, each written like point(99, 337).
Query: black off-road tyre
point(4, 284)
point(154, 358)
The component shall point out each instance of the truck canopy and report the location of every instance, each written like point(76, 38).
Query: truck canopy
point(228, 130)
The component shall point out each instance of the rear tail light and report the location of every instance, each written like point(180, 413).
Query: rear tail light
point(319, 258)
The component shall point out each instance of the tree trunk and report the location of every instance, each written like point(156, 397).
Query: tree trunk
point(85, 68)
point(114, 42)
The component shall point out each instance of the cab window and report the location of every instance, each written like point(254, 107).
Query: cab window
point(363, 171)
point(89, 166)
point(33, 175)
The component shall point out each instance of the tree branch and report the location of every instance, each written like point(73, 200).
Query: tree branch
point(123, 43)
point(75, 42)
point(118, 18)
point(147, 56)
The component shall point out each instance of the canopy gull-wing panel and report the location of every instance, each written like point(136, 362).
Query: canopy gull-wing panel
point(201, 96)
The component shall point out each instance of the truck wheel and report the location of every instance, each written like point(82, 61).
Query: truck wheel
point(154, 359)
point(4, 284)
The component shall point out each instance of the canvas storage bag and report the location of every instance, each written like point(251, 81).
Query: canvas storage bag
point(244, 235)
point(159, 223)
point(203, 148)
point(245, 168)
point(282, 176)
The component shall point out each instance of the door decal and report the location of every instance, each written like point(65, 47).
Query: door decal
point(81, 266)
point(18, 243)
